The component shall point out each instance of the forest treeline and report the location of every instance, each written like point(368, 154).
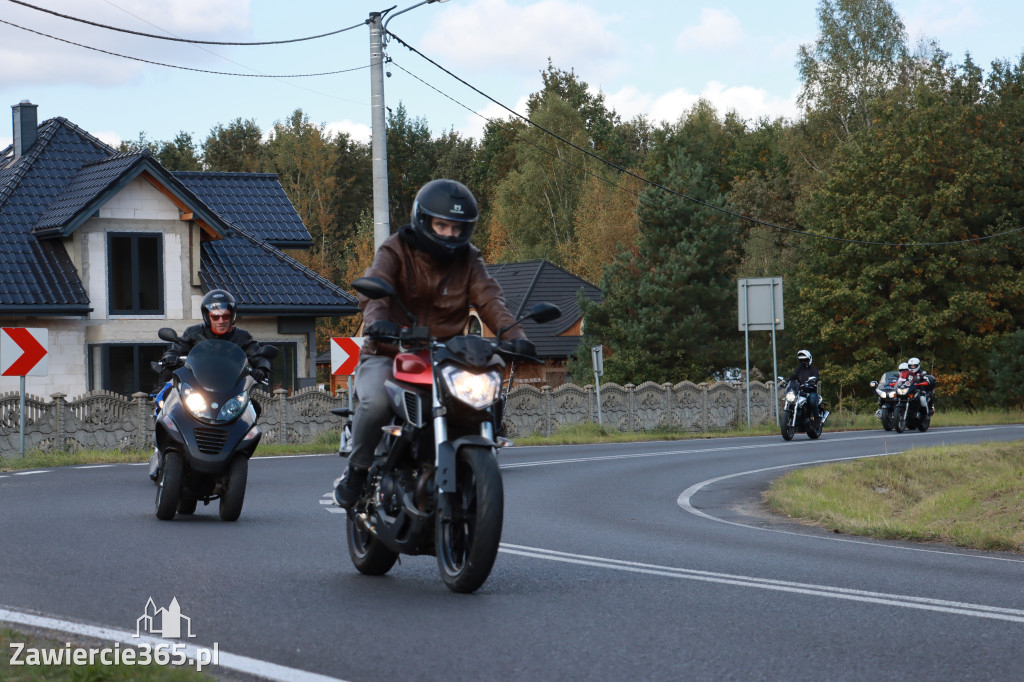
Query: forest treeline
point(892, 207)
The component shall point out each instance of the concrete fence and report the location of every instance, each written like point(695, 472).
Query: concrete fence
point(102, 420)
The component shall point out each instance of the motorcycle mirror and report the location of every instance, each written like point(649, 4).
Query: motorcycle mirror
point(268, 351)
point(873, 384)
point(373, 287)
point(544, 312)
point(167, 334)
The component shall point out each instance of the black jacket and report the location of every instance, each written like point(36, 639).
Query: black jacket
point(802, 374)
point(199, 332)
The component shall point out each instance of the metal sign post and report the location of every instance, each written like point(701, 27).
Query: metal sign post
point(761, 309)
point(597, 357)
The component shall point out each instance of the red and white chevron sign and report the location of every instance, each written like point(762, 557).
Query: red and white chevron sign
point(23, 352)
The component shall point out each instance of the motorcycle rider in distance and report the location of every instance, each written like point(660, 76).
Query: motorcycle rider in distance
point(438, 274)
point(805, 370)
point(919, 376)
point(219, 313)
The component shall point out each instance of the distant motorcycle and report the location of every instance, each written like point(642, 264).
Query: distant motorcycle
point(915, 405)
point(206, 429)
point(797, 414)
point(885, 389)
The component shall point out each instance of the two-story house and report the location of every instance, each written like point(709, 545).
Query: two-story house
point(102, 249)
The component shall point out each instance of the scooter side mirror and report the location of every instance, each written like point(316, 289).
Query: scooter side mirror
point(268, 351)
point(167, 334)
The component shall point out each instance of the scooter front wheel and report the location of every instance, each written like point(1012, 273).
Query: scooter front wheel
point(168, 489)
point(234, 494)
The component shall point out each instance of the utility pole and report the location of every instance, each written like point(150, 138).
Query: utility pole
point(379, 143)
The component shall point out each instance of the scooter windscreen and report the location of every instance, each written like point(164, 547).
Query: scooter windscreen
point(217, 365)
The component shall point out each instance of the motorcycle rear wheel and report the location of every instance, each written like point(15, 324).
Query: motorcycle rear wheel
point(368, 554)
point(168, 489)
point(234, 494)
point(924, 422)
point(787, 425)
point(814, 429)
point(468, 535)
point(187, 503)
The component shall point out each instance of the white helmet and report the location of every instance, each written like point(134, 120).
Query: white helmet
point(913, 364)
point(903, 366)
point(802, 355)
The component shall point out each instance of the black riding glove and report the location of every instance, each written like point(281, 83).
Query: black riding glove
point(520, 347)
point(382, 328)
point(259, 374)
point(170, 359)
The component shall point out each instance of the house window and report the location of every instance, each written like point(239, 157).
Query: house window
point(136, 274)
point(283, 369)
point(124, 368)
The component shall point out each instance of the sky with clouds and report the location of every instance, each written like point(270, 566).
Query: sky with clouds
point(654, 58)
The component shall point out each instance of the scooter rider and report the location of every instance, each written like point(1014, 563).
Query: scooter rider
point(438, 274)
point(805, 370)
point(219, 313)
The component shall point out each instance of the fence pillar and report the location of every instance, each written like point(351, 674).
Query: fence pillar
point(545, 392)
point(142, 430)
point(589, 388)
point(629, 406)
point(58, 406)
point(281, 393)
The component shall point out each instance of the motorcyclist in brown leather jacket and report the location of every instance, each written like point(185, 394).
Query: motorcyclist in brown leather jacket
point(438, 274)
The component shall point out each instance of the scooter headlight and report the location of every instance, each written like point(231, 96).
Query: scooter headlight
point(476, 390)
point(196, 402)
point(233, 407)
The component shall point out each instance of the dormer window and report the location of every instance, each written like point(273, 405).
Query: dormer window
point(135, 273)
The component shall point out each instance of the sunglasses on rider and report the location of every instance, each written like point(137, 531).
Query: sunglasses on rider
point(220, 316)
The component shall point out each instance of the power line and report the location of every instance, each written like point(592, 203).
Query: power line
point(184, 68)
point(652, 183)
point(182, 40)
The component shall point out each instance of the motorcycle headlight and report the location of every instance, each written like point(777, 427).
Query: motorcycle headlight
point(476, 390)
point(790, 396)
point(890, 394)
point(195, 402)
point(902, 390)
point(233, 407)
point(880, 392)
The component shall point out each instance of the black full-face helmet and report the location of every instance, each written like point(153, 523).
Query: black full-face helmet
point(448, 200)
point(218, 299)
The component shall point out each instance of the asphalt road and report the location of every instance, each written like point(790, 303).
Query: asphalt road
point(652, 561)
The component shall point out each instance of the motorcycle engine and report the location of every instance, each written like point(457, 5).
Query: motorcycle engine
point(389, 494)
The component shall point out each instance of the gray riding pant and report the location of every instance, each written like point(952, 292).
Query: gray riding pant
point(373, 411)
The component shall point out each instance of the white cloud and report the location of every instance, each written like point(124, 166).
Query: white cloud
point(717, 30)
point(111, 138)
point(749, 102)
point(359, 132)
point(6, 142)
point(40, 57)
point(475, 124)
point(493, 34)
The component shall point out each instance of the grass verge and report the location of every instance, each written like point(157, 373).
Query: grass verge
point(967, 496)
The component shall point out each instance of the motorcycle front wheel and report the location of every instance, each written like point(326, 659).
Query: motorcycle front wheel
point(888, 419)
point(468, 534)
point(787, 425)
point(234, 494)
point(168, 488)
point(368, 554)
point(901, 420)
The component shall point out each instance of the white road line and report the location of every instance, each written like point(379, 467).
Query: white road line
point(29, 473)
point(826, 591)
point(95, 466)
point(244, 664)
